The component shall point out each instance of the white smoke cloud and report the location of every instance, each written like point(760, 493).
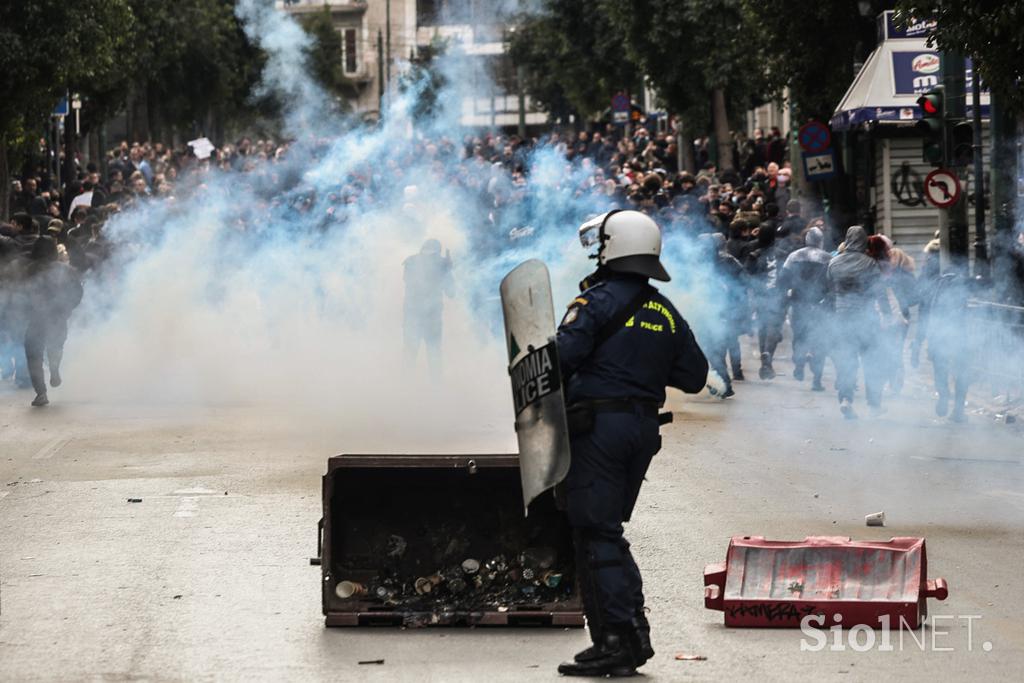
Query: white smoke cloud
point(231, 296)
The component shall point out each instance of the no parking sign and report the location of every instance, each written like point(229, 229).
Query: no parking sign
point(814, 137)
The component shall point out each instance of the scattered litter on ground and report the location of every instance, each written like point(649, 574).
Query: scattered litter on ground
point(134, 500)
point(683, 657)
point(875, 519)
point(372, 661)
point(815, 495)
point(177, 597)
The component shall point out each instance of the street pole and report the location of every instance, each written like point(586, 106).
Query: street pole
point(522, 102)
point(980, 243)
point(1003, 162)
point(102, 141)
point(380, 75)
point(954, 76)
point(387, 32)
point(69, 154)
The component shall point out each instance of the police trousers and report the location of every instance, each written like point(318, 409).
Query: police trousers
point(608, 468)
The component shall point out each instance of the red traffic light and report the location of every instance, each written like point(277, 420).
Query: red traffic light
point(931, 102)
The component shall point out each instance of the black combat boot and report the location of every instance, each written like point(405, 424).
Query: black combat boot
point(615, 656)
point(642, 645)
point(592, 652)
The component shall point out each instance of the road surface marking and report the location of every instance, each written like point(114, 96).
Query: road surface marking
point(196, 491)
point(51, 448)
point(188, 507)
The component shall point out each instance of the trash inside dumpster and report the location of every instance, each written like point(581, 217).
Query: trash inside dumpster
point(418, 540)
point(778, 583)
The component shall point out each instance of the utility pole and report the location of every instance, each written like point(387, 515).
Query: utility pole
point(954, 77)
point(69, 152)
point(522, 101)
point(1004, 189)
point(980, 242)
point(387, 33)
point(380, 74)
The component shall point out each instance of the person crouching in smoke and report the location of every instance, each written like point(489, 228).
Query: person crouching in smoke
point(52, 290)
point(428, 278)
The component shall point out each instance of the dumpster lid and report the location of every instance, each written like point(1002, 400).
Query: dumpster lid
point(414, 460)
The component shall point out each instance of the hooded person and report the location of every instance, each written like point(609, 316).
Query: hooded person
point(428, 279)
point(788, 236)
point(729, 287)
point(763, 265)
point(855, 288)
point(924, 286)
point(952, 339)
point(26, 231)
point(12, 308)
point(805, 280)
point(52, 291)
point(898, 294)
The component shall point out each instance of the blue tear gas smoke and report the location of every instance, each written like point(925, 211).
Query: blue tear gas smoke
point(282, 284)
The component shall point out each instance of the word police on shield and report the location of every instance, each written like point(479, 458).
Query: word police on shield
point(541, 428)
point(534, 377)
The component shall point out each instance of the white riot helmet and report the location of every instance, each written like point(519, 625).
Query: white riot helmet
point(629, 242)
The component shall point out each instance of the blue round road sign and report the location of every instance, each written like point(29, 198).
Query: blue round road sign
point(620, 102)
point(814, 137)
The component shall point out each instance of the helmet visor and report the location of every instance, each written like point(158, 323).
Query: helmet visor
point(590, 232)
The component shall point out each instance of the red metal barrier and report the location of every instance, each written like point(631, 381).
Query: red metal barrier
point(776, 584)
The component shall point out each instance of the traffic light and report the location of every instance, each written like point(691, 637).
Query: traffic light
point(962, 143)
point(932, 125)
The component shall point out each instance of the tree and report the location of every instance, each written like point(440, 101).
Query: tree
point(35, 75)
point(189, 64)
point(325, 54)
point(425, 80)
point(572, 57)
point(697, 56)
point(989, 32)
point(816, 72)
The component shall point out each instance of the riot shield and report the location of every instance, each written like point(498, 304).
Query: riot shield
point(536, 380)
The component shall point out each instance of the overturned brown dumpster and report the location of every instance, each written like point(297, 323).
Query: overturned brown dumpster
point(418, 540)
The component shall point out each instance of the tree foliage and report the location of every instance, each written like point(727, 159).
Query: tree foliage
point(86, 36)
point(326, 54)
point(816, 71)
point(572, 57)
point(426, 80)
point(687, 49)
point(990, 32)
point(188, 59)
point(48, 47)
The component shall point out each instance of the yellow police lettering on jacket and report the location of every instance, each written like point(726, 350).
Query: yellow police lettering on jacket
point(655, 327)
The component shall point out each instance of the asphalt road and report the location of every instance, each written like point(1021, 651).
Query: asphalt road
point(208, 578)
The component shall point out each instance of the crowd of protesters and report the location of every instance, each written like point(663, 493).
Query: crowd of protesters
point(772, 260)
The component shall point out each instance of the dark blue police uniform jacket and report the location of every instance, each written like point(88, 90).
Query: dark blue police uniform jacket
point(654, 349)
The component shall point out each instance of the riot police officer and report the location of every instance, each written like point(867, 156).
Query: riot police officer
point(620, 344)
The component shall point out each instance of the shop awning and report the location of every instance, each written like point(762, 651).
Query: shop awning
point(888, 85)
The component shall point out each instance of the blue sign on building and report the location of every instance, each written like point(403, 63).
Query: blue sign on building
point(916, 72)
